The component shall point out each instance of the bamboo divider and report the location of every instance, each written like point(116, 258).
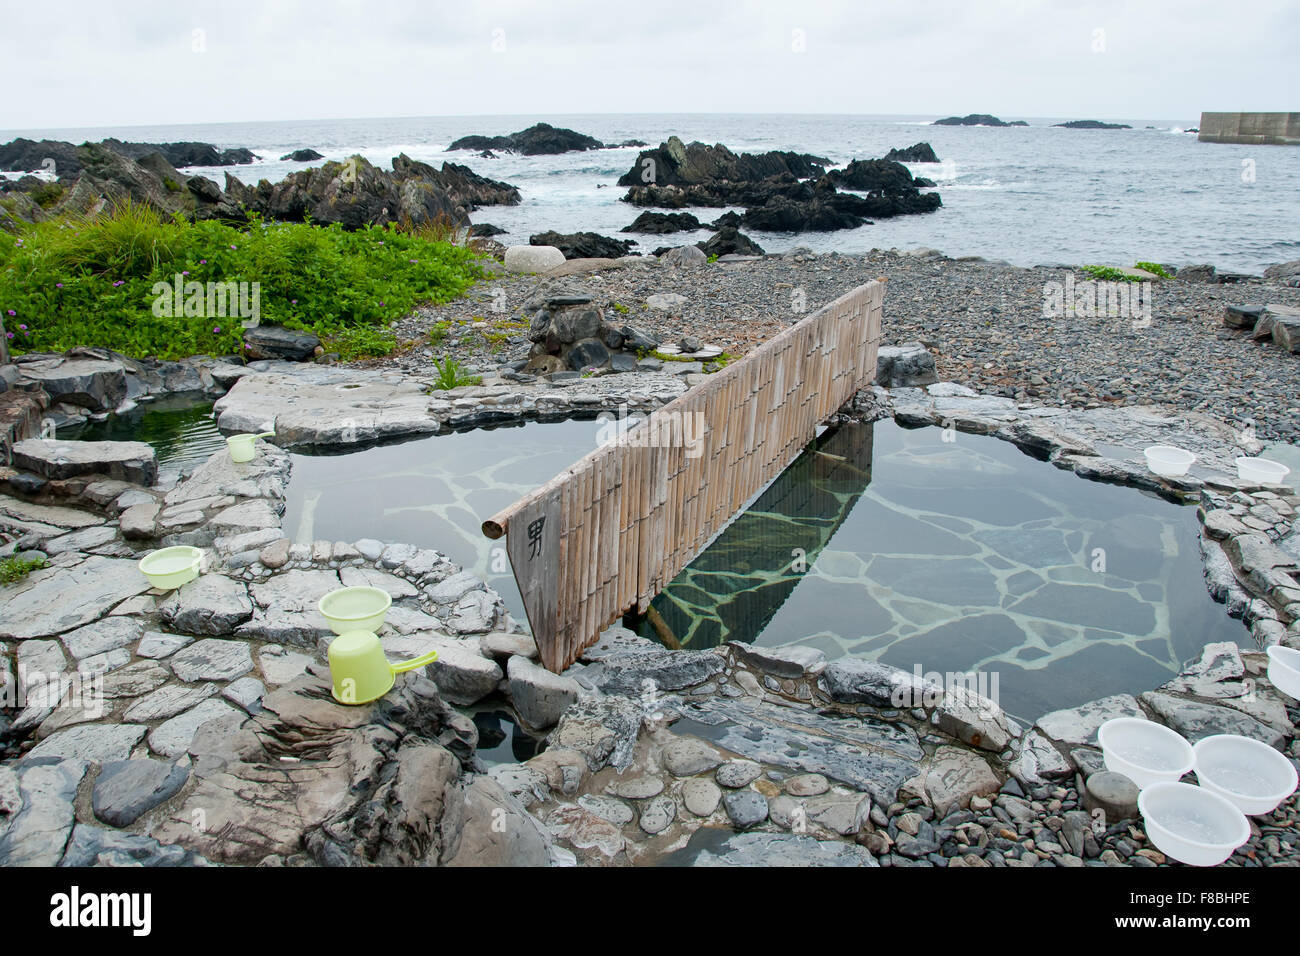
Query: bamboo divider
point(609, 532)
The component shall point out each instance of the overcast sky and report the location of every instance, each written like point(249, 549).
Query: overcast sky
point(103, 63)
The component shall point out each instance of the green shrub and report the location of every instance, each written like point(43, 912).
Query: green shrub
point(69, 282)
point(452, 375)
point(1111, 274)
point(1155, 268)
point(16, 567)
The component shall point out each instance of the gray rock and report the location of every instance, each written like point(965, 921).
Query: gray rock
point(156, 644)
point(657, 814)
point(607, 808)
point(54, 458)
point(36, 810)
point(1195, 720)
point(97, 846)
point(1038, 761)
point(172, 738)
point(276, 554)
point(632, 673)
point(539, 697)
point(791, 661)
point(905, 366)
point(737, 773)
point(853, 681)
point(280, 665)
point(955, 776)
point(210, 604)
point(463, 676)
point(126, 789)
point(770, 850)
point(98, 743)
point(807, 785)
point(277, 342)
point(497, 831)
point(502, 646)
point(640, 787)
point(247, 692)
point(101, 636)
point(370, 548)
point(58, 599)
point(452, 589)
point(701, 796)
point(745, 808)
point(212, 659)
point(846, 814)
point(973, 719)
point(687, 756)
point(137, 522)
point(685, 257)
point(1077, 726)
point(604, 731)
point(168, 701)
point(1115, 794)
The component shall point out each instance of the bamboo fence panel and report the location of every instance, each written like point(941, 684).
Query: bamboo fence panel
point(609, 532)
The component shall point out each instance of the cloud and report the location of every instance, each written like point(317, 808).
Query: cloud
point(144, 63)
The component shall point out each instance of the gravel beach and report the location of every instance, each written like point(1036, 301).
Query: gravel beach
point(983, 320)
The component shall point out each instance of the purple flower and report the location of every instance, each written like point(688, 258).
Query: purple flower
point(381, 303)
point(22, 328)
point(415, 260)
point(9, 334)
point(119, 282)
point(12, 312)
point(203, 262)
point(185, 272)
point(58, 285)
point(293, 301)
point(232, 247)
point(216, 330)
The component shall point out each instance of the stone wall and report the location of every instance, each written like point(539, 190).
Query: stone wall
point(1253, 129)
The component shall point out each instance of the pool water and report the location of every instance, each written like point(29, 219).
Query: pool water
point(181, 430)
point(434, 492)
point(957, 556)
point(892, 544)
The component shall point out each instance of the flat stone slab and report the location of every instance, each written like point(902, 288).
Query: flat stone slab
point(58, 599)
point(870, 755)
point(710, 846)
point(1077, 726)
point(102, 636)
point(210, 604)
point(55, 515)
point(325, 407)
point(212, 659)
point(38, 800)
point(173, 737)
point(125, 789)
point(168, 702)
point(1195, 720)
point(955, 776)
point(285, 608)
point(98, 743)
point(132, 461)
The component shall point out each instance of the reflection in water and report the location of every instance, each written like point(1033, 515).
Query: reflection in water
point(180, 428)
point(954, 556)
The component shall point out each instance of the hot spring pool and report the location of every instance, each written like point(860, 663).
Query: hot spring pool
point(878, 542)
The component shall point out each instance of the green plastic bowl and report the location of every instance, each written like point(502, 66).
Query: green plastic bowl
point(169, 568)
point(355, 609)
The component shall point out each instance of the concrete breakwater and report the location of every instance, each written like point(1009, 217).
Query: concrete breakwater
point(1255, 129)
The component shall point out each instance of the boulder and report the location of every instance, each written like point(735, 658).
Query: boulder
point(125, 789)
point(905, 366)
point(976, 119)
point(277, 342)
point(539, 697)
point(685, 257)
point(210, 604)
point(541, 139)
point(583, 245)
point(676, 163)
point(730, 241)
point(301, 156)
point(920, 153)
point(1284, 273)
point(532, 258)
point(662, 223)
point(93, 384)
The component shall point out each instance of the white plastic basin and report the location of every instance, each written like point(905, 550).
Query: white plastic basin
point(1192, 824)
point(1261, 471)
point(1169, 461)
point(1284, 670)
point(1247, 772)
point(1144, 751)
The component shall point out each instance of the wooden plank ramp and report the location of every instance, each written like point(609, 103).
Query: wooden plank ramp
point(609, 532)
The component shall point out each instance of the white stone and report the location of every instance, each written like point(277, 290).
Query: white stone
point(173, 737)
point(533, 258)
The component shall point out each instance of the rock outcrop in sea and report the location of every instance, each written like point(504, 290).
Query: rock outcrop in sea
point(976, 119)
point(65, 159)
point(542, 139)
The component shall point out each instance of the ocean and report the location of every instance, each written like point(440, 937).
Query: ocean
point(1028, 195)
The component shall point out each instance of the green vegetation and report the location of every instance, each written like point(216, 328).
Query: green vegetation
point(452, 375)
point(70, 282)
point(438, 334)
point(620, 308)
point(1155, 268)
point(1111, 274)
point(15, 568)
point(46, 195)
